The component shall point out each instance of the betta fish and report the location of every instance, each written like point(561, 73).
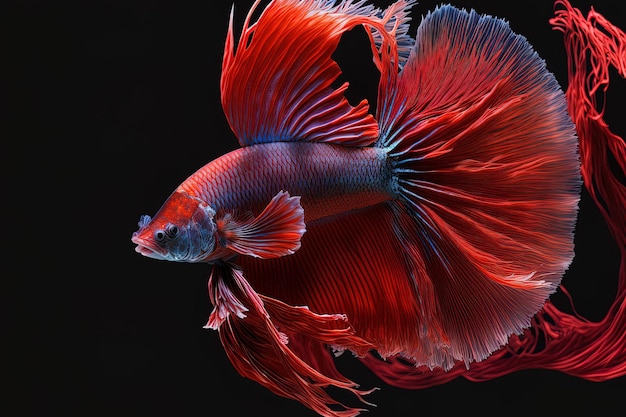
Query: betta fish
point(424, 237)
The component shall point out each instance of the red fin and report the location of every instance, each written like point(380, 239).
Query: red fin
point(594, 45)
point(487, 163)
point(276, 86)
point(351, 264)
point(260, 346)
point(396, 291)
point(557, 340)
point(275, 232)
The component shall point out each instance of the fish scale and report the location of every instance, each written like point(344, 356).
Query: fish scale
point(330, 179)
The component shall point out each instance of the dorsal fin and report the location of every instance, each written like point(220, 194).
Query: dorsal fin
point(276, 84)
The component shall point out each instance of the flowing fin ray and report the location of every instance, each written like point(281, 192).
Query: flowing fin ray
point(276, 84)
point(275, 232)
point(264, 336)
point(558, 340)
point(486, 159)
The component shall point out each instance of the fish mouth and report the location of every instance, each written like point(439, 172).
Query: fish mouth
point(147, 248)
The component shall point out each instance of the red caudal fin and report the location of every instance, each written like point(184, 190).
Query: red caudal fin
point(557, 340)
point(275, 344)
point(276, 83)
point(275, 232)
point(486, 159)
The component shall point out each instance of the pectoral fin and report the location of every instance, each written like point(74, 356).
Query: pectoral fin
point(273, 233)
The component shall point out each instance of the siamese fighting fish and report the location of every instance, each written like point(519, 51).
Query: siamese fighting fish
point(424, 235)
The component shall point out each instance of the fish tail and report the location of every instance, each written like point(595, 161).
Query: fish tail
point(485, 165)
point(558, 340)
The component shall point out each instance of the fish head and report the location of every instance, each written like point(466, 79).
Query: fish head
point(183, 230)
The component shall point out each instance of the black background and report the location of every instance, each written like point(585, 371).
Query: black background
point(111, 105)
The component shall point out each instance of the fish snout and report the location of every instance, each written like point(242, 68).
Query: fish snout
point(147, 247)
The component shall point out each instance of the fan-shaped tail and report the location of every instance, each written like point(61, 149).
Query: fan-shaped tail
point(486, 159)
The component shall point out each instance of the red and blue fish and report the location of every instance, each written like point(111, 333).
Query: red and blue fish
point(426, 238)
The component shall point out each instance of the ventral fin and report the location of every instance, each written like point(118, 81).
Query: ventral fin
point(276, 83)
point(276, 344)
point(273, 233)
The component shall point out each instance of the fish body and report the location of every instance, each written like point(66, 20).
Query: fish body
point(211, 206)
point(330, 179)
point(429, 233)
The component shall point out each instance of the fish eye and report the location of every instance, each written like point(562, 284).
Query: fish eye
point(172, 230)
point(159, 235)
